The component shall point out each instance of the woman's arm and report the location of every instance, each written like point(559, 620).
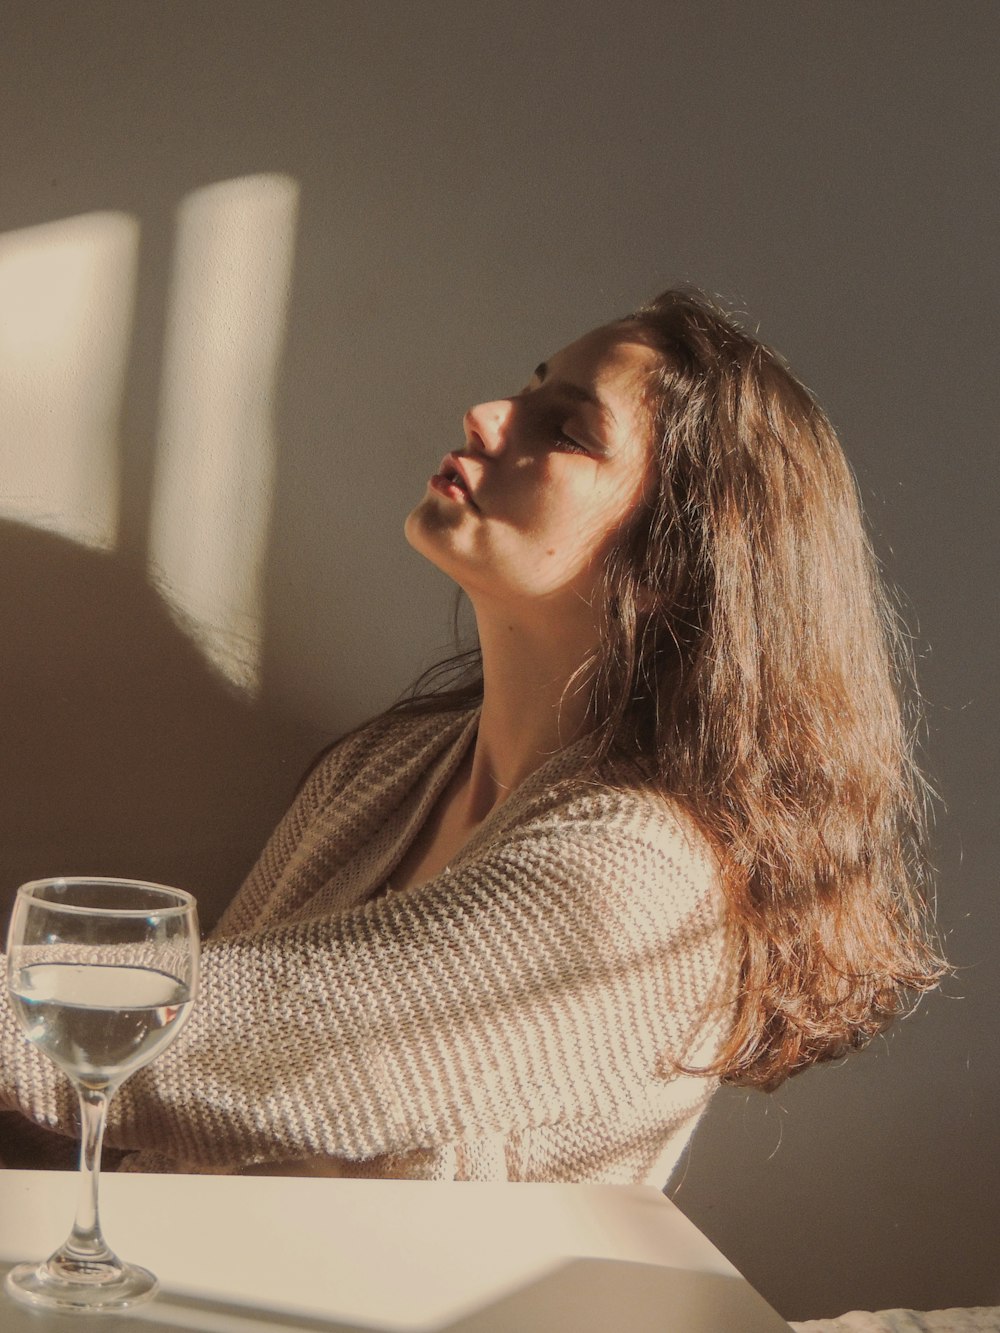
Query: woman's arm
point(547, 979)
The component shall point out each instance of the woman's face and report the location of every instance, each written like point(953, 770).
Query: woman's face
point(527, 508)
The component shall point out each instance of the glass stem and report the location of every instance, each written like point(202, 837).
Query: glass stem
point(85, 1240)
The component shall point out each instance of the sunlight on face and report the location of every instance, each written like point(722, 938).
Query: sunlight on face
point(524, 512)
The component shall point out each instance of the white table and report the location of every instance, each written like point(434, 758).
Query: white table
point(277, 1255)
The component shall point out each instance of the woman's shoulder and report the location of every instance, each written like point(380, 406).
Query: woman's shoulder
point(380, 750)
point(632, 834)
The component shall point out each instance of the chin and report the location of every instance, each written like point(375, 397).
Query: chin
point(431, 537)
point(426, 533)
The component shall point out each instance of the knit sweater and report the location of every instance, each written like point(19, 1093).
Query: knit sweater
point(518, 1017)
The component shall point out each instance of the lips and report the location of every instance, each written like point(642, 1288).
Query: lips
point(451, 478)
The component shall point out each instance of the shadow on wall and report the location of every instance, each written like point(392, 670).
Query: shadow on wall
point(137, 384)
point(125, 752)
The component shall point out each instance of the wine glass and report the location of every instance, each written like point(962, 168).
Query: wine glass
point(101, 974)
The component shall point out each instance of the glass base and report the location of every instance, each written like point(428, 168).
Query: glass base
point(58, 1284)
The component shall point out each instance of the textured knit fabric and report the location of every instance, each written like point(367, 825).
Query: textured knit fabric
point(978, 1319)
point(518, 1017)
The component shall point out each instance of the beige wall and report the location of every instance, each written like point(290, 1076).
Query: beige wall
point(255, 260)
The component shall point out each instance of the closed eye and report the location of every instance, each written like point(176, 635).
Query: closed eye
point(548, 418)
point(567, 445)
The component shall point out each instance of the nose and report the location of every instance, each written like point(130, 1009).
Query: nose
point(486, 426)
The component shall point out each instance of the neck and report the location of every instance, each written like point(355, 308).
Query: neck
point(532, 705)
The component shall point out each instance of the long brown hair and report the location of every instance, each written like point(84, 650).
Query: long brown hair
point(753, 669)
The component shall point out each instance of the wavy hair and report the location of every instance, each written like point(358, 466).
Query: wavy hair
point(753, 670)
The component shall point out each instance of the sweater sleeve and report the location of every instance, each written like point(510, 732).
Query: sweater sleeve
point(547, 979)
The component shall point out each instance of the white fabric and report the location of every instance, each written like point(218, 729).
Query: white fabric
point(978, 1319)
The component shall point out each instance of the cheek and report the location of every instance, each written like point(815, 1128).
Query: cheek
point(579, 528)
point(569, 547)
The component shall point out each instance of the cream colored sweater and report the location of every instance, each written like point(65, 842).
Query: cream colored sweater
point(516, 1018)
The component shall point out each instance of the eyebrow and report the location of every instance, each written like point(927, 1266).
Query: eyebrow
point(575, 392)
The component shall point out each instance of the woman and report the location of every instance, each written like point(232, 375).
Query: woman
point(664, 831)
